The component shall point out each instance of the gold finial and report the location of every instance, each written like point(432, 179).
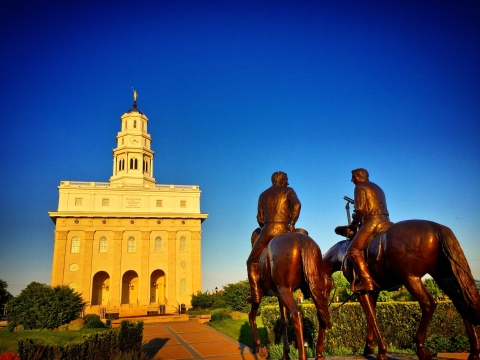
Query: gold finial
point(134, 97)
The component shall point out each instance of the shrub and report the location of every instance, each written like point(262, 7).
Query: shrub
point(219, 314)
point(398, 323)
point(63, 327)
point(76, 324)
point(237, 315)
point(94, 324)
point(124, 343)
point(40, 306)
point(92, 321)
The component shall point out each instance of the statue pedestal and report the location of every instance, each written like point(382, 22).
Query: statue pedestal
point(452, 355)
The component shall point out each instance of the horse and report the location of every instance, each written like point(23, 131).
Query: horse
point(401, 256)
point(292, 261)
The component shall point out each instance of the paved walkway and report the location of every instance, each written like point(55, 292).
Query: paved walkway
point(191, 340)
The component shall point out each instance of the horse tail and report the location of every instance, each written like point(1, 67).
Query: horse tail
point(315, 279)
point(461, 286)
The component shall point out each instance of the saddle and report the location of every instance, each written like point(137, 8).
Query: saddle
point(349, 233)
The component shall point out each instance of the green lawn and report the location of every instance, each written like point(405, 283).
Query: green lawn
point(240, 330)
point(9, 340)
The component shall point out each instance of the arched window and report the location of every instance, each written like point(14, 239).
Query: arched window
point(103, 245)
point(183, 244)
point(146, 166)
point(135, 124)
point(183, 287)
point(131, 163)
point(158, 244)
point(123, 164)
point(75, 245)
point(136, 164)
point(131, 244)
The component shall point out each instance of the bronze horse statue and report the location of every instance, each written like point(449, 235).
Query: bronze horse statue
point(292, 261)
point(401, 256)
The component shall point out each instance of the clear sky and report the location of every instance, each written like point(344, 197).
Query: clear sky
point(235, 90)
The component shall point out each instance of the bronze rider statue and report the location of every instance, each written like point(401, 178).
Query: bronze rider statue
point(370, 210)
point(278, 211)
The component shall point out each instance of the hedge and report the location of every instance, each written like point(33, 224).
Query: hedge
point(107, 345)
point(398, 322)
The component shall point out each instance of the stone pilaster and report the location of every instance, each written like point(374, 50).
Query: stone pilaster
point(116, 275)
point(196, 261)
point(144, 276)
point(171, 271)
point(87, 265)
point(58, 262)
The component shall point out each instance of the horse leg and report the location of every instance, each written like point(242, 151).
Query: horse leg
point(252, 315)
point(369, 348)
point(287, 300)
point(473, 339)
point(284, 323)
point(428, 305)
point(368, 305)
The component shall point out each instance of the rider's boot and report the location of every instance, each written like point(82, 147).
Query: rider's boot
point(253, 278)
point(361, 268)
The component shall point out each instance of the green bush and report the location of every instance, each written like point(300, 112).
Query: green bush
point(220, 314)
point(40, 306)
point(123, 343)
point(76, 324)
point(398, 323)
point(92, 321)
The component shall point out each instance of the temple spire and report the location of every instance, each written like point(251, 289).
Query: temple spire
point(134, 98)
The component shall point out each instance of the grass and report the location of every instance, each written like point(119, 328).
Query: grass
point(9, 340)
point(240, 330)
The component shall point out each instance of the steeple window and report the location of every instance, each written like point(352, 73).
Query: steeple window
point(133, 163)
point(134, 124)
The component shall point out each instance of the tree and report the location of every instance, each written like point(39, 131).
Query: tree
point(40, 306)
point(202, 300)
point(5, 296)
point(234, 296)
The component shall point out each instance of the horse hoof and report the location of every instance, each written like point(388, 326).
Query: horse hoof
point(262, 351)
point(368, 350)
point(381, 357)
point(424, 354)
point(473, 356)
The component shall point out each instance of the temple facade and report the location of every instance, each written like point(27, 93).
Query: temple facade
point(129, 245)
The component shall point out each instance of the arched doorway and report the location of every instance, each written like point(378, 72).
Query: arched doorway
point(157, 287)
point(130, 287)
point(101, 288)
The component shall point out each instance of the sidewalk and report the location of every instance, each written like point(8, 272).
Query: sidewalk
point(192, 340)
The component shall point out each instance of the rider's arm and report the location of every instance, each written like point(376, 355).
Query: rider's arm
point(260, 215)
point(295, 206)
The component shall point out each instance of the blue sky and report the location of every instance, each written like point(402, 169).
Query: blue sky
point(235, 90)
